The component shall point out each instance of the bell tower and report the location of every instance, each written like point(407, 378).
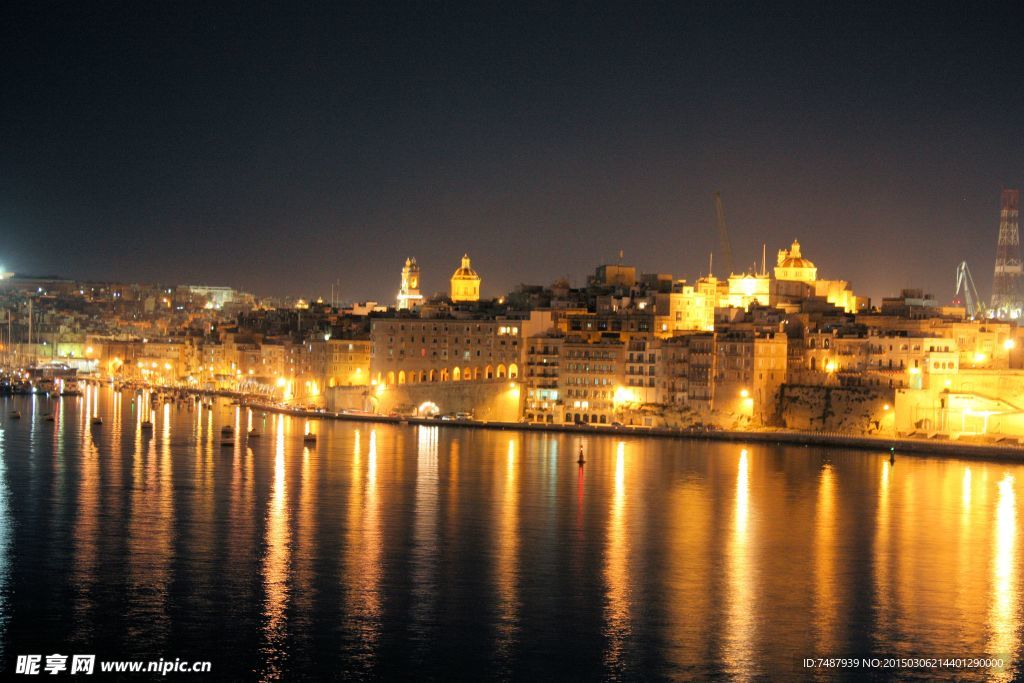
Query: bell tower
point(409, 295)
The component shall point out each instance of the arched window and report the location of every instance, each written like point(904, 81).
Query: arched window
point(489, 372)
point(433, 375)
point(456, 374)
point(501, 371)
point(444, 374)
point(513, 370)
point(390, 378)
point(401, 376)
point(467, 374)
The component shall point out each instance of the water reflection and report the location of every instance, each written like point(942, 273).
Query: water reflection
point(150, 536)
point(361, 573)
point(740, 625)
point(617, 615)
point(86, 533)
point(507, 553)
point(6, 537)
point(826, 608)
point(375, 554)
point(882, 564)
point(1004, 619)
point(275, 566)
point(424, 558)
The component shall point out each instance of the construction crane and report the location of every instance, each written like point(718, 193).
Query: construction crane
point(724, 246)
point(966, 292)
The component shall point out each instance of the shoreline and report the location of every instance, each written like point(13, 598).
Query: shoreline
point(902, 445)
point(1013, 452)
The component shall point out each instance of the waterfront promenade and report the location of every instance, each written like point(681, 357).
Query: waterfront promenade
point(1008, 449)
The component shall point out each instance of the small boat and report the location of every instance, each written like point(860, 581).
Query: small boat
point(15, 415)
point(147, 424)
point(253, 434)
point(226, 430)
point(48, 417)
point(227, 443)
point(309, 438)
point(97, 420)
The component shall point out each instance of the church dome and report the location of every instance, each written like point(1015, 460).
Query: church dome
point(465, 271)
point(793, 258)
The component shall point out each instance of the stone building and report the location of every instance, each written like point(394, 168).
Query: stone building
point(420, 350)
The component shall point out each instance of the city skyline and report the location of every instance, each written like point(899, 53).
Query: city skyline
point(281, 152)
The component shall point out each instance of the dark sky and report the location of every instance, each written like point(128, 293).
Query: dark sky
point(278, 149)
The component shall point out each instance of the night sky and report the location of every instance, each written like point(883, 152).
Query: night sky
point(278, 149)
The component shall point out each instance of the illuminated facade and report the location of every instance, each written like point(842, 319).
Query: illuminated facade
point(465, 283)
point(409, 295)
point(591, 380)
point(797, 277)
point(542, 355)
point(748, 288)
point(426, 350)
point(690, 308)
point(749, 368)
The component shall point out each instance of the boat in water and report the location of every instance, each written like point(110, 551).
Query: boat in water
point(70, 387)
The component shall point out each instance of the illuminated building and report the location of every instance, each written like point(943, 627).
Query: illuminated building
point(797, 278)
point(542, 357)
point(465, 283)
point(673, 371)
point(690, 307)
point(430, 350)
point(748, 371)
point(214, 297)
point(747, 288)
point(791, 265)
point(623, 325)
point(409, 295)
point(340, 362)
point(591, 380)
point(642, 361)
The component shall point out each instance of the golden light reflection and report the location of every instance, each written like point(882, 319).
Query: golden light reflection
point(826, 613)
point(1004, 622)
point(617, 614)
point(87, 527)
point(507, 553)
point(362, 559)
point(304, 554)
point(425, 536)
point(275, 567)
point(690, 605)
point(965, 496)
point(150, 534)
point(883, 560)
point(740, 631)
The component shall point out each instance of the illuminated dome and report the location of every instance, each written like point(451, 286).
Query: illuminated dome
point(792, 266)
point(465, 271)
point(465, 282)
point(793, 259)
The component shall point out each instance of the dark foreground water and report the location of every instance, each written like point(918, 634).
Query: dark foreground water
point(447, 553)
